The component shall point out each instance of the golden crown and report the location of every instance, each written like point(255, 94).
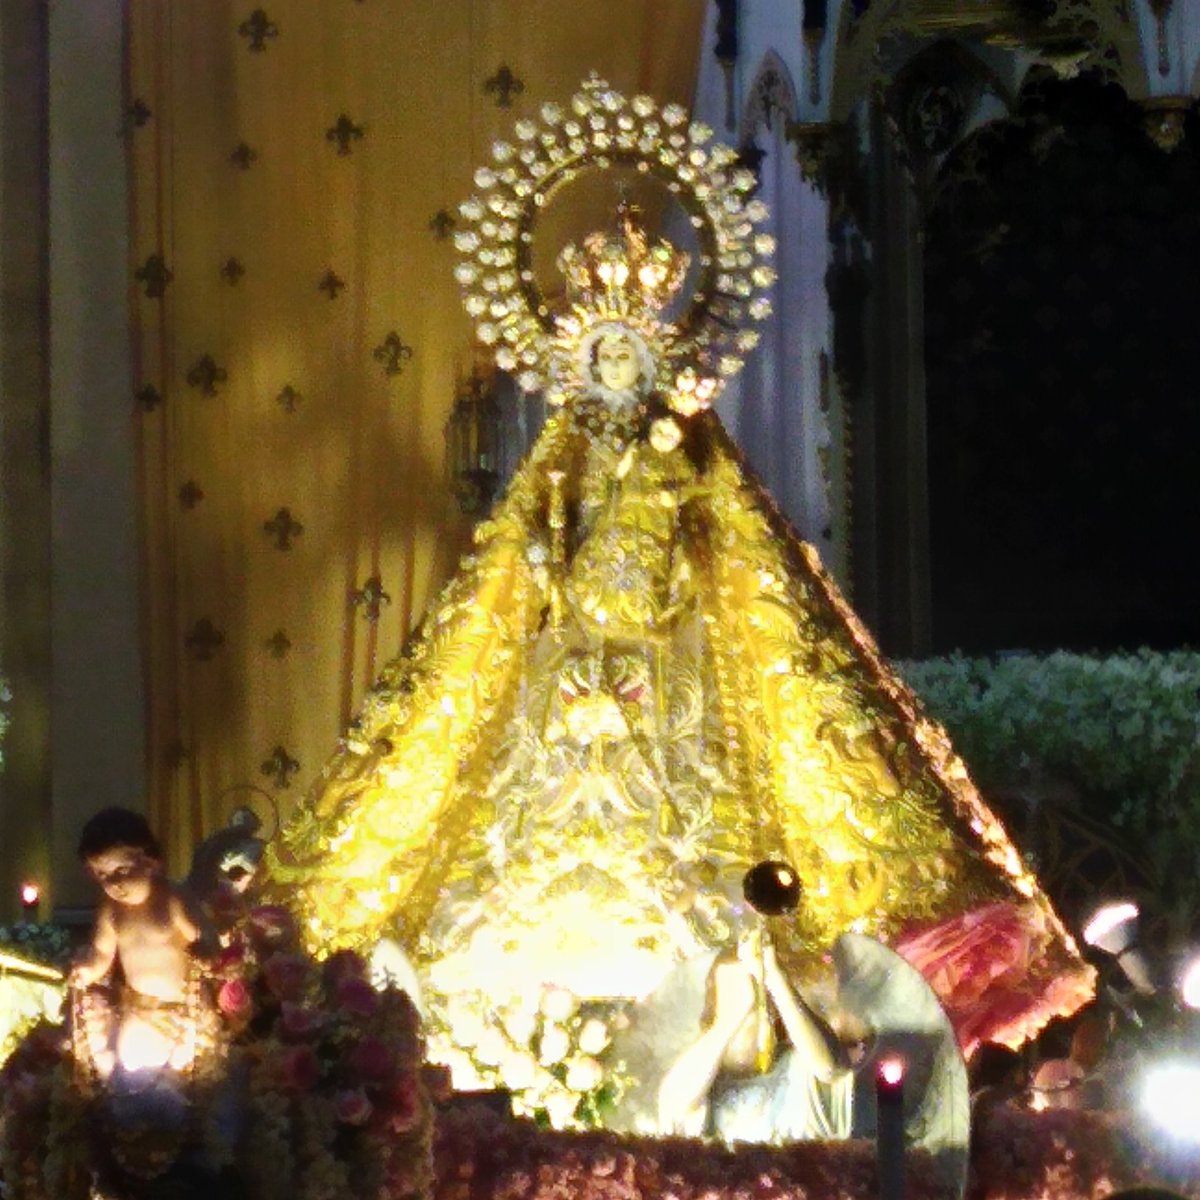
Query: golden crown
point(623, 273)
point(619, 275)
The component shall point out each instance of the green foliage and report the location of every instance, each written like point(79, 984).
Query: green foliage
point(1093, 762)
point(47, 944)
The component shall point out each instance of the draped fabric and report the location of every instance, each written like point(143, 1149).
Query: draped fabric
point(298, 337)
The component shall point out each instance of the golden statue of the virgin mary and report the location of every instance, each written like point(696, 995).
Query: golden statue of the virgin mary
point(640, 682)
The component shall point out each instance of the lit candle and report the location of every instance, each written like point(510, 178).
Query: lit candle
point(889, 1127)
point(31, 896)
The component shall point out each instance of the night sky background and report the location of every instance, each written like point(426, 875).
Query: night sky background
point(1063, 324)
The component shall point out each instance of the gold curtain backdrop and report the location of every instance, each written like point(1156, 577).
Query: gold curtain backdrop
point(298, 337)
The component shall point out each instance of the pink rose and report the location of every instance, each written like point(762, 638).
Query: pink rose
point(400, 1178)
point(370, 1061)
point(298, 1021)
point(403, 1104)
point(356, 997)
point(351, 1107)
point(273, 925)
point(300, 1069)
point(234, 1000)
point(230, 960)
point(342, 964)
point(286, 975)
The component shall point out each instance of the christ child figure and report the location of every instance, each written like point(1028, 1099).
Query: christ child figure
point(133, 981)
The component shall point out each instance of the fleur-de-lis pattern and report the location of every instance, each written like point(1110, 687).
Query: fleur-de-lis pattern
point(371, 598)
point(244, 156)
point(283, 528)
point(344, 133)
point(148, 397)
point(154, 276)
point(203, 640)
point(190, 494)
point(504, 86)
point(206, 376)
point(278, 644)
point(442, 223)
point(280, 767)
point(289, 398)
point(331, 284)
point(258, 29)
point(297, 329)
point(137, 115)
point(392, 353)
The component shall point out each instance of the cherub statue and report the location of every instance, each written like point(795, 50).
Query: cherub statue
point(134, 986)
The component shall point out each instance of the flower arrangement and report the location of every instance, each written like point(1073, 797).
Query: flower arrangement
point(315, 1090)
point(337, 1100)
point(482, 1157)
point(41, 1115)
point(547, 1048)
point(1016, 1155)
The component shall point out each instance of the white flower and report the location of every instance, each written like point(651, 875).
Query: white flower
point(492, 1048)
point(518, 1071)
point(463, 1072)
point(555, 1044)
point(560, 1108)
point(593, 1037)
point(665, 435)
point(583, 1074)
point(520, 1025)
point(558, 1004)
point(466, 1028)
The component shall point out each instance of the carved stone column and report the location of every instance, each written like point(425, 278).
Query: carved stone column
point(890, 477)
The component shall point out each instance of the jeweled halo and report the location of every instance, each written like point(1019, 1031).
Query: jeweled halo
point(601, 130)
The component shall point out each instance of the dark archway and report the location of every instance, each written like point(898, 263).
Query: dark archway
point(1062, 330)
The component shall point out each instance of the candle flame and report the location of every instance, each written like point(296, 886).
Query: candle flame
point(891, 1070)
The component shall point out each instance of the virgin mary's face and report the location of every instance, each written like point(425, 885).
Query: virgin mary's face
point(617, 362)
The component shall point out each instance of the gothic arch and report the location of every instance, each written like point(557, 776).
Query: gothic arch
point(936, 97)
point(771, 94)
point(1077, 35)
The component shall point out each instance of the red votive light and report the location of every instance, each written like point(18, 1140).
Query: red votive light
point(31, 896)
point(889, 1127)
point(889, 1076)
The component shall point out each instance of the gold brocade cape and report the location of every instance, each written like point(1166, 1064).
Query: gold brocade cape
point(639, 684)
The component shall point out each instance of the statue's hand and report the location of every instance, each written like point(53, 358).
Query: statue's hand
point(733, 995)
point(83, 974)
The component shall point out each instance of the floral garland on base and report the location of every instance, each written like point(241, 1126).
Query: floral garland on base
point(1016, 1155)
point(481, 1156)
